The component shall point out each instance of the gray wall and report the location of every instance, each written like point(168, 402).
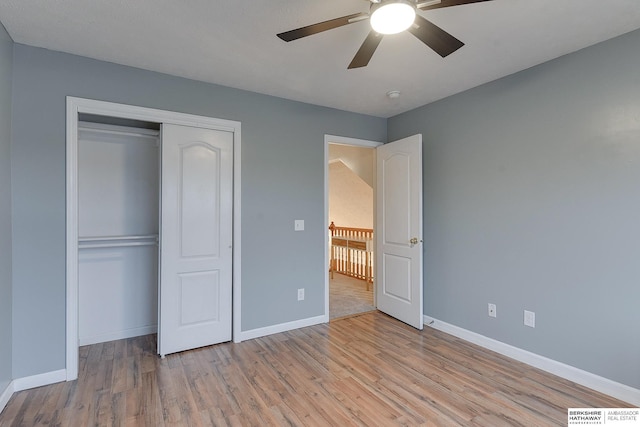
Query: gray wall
point(532, 201)
point(282, 180)
point(6, 65)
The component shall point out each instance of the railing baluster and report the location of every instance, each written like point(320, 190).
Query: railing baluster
point(349, 254)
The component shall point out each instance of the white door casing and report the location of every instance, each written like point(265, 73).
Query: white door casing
point(399, 230)
point(196, 238)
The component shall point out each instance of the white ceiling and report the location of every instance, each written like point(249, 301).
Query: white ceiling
point(234, 43)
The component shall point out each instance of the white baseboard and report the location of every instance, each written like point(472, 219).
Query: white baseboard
point(603, 385)
point(118, 335)
point(39, 380)
point(33, 381)
point(5, 395)
point(282, 327)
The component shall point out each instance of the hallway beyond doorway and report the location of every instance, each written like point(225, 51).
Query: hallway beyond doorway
point(349, 296)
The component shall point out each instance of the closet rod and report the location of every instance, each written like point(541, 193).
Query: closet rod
point(111, 129)
point(116, 245)
point(111, 238)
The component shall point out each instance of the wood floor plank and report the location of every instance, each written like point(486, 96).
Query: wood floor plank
point(367, 370)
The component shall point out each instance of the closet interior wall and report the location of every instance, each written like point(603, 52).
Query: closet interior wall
point(118, 216)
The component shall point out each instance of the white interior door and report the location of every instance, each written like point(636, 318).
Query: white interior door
point(399, 230)
point(195, 238)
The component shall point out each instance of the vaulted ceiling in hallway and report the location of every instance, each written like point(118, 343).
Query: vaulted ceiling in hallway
point(234, 43)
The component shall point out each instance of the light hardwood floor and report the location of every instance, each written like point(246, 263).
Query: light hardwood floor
point(365, 370)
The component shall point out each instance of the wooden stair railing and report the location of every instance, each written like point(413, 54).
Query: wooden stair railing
point(352, 252)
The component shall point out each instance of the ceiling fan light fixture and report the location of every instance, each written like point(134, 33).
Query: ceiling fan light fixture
point(392, 16)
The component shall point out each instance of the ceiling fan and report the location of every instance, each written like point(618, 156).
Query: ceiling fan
point(390, 17)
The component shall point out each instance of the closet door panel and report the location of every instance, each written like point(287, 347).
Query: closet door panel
point(196, 238)
point(199, 202)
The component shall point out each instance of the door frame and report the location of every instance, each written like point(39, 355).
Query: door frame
point(81, 105)
point(354, 142)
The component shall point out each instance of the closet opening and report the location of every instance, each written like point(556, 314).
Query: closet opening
point(118, 217)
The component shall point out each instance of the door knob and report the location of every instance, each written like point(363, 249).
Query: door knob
point(415, 241)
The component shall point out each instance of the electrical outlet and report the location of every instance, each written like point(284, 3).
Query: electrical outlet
point(530, 318)
point(300, 294)
point(492, 310)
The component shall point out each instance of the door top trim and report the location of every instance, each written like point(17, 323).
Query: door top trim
point(105, 108)
point(345, 140)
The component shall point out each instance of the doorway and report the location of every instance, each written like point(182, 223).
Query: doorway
point(77, 107)
point(118, 189)
point(349, 216)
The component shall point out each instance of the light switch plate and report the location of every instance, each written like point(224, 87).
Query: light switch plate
point(298, 225)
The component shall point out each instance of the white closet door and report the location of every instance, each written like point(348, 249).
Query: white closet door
point(196, 238)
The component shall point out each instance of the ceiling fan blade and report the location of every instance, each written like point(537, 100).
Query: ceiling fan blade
point(428, 5)
point(435, 37)
point(364, 54)
point(321, 26)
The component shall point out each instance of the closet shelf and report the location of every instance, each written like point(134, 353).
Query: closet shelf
point(124, 237)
